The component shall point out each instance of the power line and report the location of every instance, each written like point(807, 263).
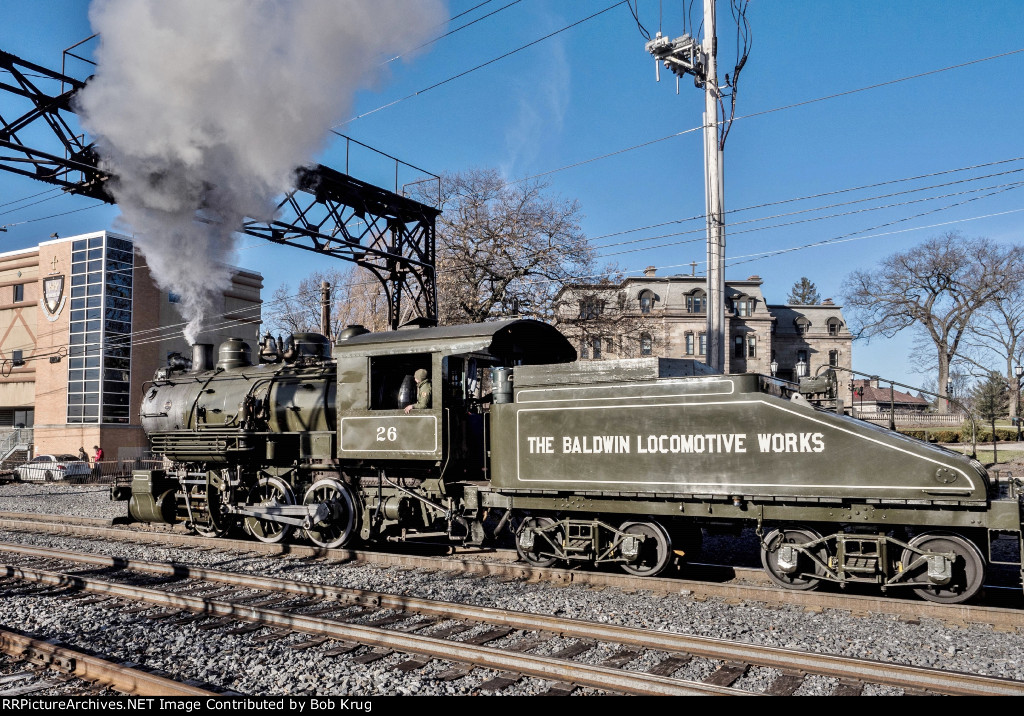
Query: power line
point(480, 66)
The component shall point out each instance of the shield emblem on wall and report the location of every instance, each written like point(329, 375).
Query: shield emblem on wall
point(53, 294)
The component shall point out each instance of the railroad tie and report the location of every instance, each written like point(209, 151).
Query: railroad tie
point(343, 647)
point(372, 656)
point(499, 682)
point(20, 676)
point(620, 659)
point(213, 623)
point(574, 650)
point(786, 684)
point(848, 688)
point(450, 631)
point(245, 629)
point(525, 645)
point(670, 665)
point(559, 688)
point(489, 635)
point(456, 672)
point(28, 689)
point(726, 674)
point(417, 662)
point(418, 624)
point(308, 643)
point(386, 621)
point(271, 636)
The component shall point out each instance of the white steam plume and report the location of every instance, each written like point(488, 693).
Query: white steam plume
point(209, 107)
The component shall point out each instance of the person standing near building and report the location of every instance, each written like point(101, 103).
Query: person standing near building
point(97, 458)
point(83, 455)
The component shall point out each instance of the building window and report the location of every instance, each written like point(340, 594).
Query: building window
point(584, 350)
point(595, 343)
point(696, 302)
point(99, 365)
point(646, 302)
point(702, 341)
point(801, 356)
point(689, 344)
point(173, 298)
point(802, 326)
point(646, 344)
point(744, 306)
point(738, 352)
point(833, 327)
point(833, 358)
point(609, 345)
point(19, 292)
point(591, 308)
point(16, 358)
point(751, 346)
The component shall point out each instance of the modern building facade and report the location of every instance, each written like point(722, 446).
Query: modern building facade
point(82, 327)
point(666, 316)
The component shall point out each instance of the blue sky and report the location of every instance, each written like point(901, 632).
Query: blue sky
point(590, 91)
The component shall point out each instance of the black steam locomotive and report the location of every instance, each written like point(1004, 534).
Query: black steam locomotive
point(626, 462)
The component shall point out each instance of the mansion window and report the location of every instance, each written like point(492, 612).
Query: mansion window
point(646, 301)
point(591, 308)
point(689, 344)
point(595, 344)
point(696, 302)
point(833, 327)
point(802, 326)
point(702, 341)
point(738, 352)
point(751, 346)
point(744, 306)
point(833, 358)
point(646, 344)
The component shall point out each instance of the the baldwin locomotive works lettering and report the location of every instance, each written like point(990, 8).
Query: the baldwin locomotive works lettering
point(676, 443)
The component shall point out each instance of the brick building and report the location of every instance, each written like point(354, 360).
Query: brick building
point(82, 328)
point(666, 316)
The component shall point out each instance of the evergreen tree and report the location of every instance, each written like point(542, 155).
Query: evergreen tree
point(804, 293)
point(991, 401)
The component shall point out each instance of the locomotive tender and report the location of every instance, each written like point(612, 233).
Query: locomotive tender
point(625, 462)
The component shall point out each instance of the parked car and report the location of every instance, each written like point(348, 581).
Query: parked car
point(44, 468)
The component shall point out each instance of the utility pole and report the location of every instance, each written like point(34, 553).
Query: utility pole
point(684, 56)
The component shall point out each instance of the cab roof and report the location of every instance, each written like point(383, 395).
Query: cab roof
point(516, 341)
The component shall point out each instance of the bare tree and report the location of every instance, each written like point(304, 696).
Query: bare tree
point(938, 287)
point(357, 297)
point(504, 248)
point(996, 337)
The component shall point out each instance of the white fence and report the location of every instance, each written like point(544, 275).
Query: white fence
point(910, 418)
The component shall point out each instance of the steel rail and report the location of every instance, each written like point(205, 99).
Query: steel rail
point(94, 669)
point(908, 677)
point(911, 609)
point(544, 667)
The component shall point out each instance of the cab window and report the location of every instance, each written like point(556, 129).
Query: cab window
point(392, 385)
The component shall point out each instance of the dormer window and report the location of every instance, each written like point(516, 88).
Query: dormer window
point(591, 308)
point(744, 306)
point(696, 302)
point(802, 325)
point(833, 326)
point(646, 301)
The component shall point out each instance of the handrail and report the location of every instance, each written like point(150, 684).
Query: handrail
point(974, 427)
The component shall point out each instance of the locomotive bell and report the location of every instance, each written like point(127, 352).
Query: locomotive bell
point(234, 353)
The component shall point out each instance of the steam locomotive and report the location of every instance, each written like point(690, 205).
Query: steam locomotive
point(623, 462)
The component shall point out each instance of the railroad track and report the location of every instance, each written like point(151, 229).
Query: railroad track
point(371, 626)
point(709, 581)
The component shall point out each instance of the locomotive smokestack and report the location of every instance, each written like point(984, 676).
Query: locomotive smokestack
point(202, 357)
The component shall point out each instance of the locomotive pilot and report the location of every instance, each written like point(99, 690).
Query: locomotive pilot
point(422, 391)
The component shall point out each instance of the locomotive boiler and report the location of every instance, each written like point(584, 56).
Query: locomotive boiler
point(624, 462)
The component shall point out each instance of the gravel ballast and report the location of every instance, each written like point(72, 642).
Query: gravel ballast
point(233, 662)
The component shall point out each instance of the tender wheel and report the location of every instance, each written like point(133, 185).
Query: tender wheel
point(792, 568)
point(545, 544)
point(965, 577)
point(269, 491)
point(655, 550)
point(338, 529)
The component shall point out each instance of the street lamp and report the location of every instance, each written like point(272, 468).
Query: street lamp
point(775, 367)
point(801, 369)
point(949, 394)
